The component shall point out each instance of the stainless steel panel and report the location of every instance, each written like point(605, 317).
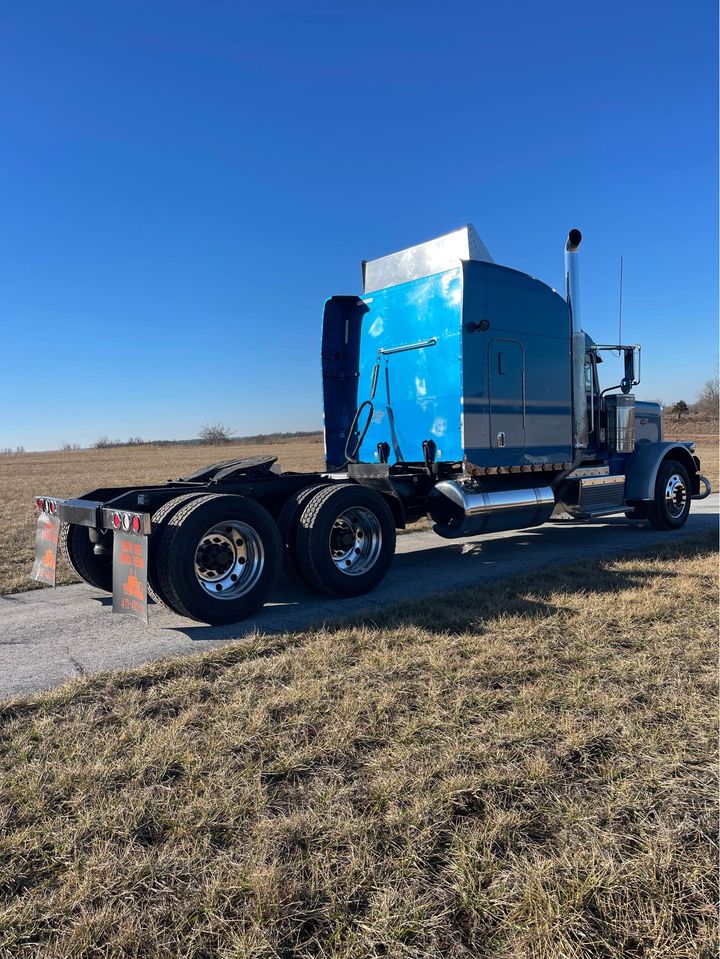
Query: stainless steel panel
point(80, 512)
point(425, 259)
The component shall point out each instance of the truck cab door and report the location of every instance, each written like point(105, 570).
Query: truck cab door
point(506, 375)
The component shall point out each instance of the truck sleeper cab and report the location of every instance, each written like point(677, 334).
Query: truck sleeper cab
point(453, 387)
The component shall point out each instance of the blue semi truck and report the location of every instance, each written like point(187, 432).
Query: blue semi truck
point(453, 387)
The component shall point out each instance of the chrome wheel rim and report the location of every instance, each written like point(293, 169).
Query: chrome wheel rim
point(229, 560)
point(675, 496)
point(355, 541)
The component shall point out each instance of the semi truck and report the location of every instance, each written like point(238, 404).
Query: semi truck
point(454, 388)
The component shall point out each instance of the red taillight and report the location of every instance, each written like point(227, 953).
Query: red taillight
point(52, 506)
point(135, 524)
point(116, 520)
point(39, 503)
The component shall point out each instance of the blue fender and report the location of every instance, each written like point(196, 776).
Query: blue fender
point(643, 465)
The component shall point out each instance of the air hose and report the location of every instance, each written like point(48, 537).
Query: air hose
point(351, 457)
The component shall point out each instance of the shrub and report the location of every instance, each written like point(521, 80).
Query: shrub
point(215, 434)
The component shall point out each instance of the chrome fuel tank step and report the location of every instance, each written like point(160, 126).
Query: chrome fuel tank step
point(592, 492)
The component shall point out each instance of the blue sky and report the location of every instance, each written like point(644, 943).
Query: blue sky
point(183, 184)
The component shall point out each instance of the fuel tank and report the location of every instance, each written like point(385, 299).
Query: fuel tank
point(462, 508)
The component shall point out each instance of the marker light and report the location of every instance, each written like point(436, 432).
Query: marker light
point(126, 522)
point(116, 520)
point(135, 524)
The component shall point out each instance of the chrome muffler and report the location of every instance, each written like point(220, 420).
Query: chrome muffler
point(463, 509)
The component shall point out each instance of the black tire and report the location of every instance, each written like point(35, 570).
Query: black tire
point(223, 532)
point(159, 520)
point(322, 559)
point(671, 506)
point(288, 521)
point(77, 550)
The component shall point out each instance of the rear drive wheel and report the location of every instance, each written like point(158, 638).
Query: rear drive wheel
point(671, 506)
point(78, 551)
point(345, 540)
point(218, 557)
point(288, 521)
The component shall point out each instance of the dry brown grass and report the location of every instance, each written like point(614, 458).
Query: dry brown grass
point(519, 771)
point(74, 472)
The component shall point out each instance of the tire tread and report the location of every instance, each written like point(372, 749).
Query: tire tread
point(76, 556)
point(166, 553)
point(158, 522)
point(289, 517)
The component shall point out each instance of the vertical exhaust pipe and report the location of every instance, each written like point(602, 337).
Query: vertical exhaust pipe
point(572, 278)
point(577, 340)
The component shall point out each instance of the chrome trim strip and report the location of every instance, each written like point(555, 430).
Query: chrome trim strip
point(589, 471)
point(602, 481)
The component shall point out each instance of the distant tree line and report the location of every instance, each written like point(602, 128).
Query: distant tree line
point(213, 434)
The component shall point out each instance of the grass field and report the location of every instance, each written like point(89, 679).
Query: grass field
point(74, 472)
point(519, 771)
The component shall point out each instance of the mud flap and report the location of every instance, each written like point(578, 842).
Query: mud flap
point(130, 558)
point(46, 544)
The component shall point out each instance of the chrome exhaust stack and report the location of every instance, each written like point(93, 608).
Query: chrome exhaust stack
point(572, 277)
point(577, 340)
point(463, 509)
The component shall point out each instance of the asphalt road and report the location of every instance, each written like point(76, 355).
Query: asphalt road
point(49, 636)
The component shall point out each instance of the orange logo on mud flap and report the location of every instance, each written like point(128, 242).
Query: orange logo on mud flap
point(133, 587)
point(49, 559)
